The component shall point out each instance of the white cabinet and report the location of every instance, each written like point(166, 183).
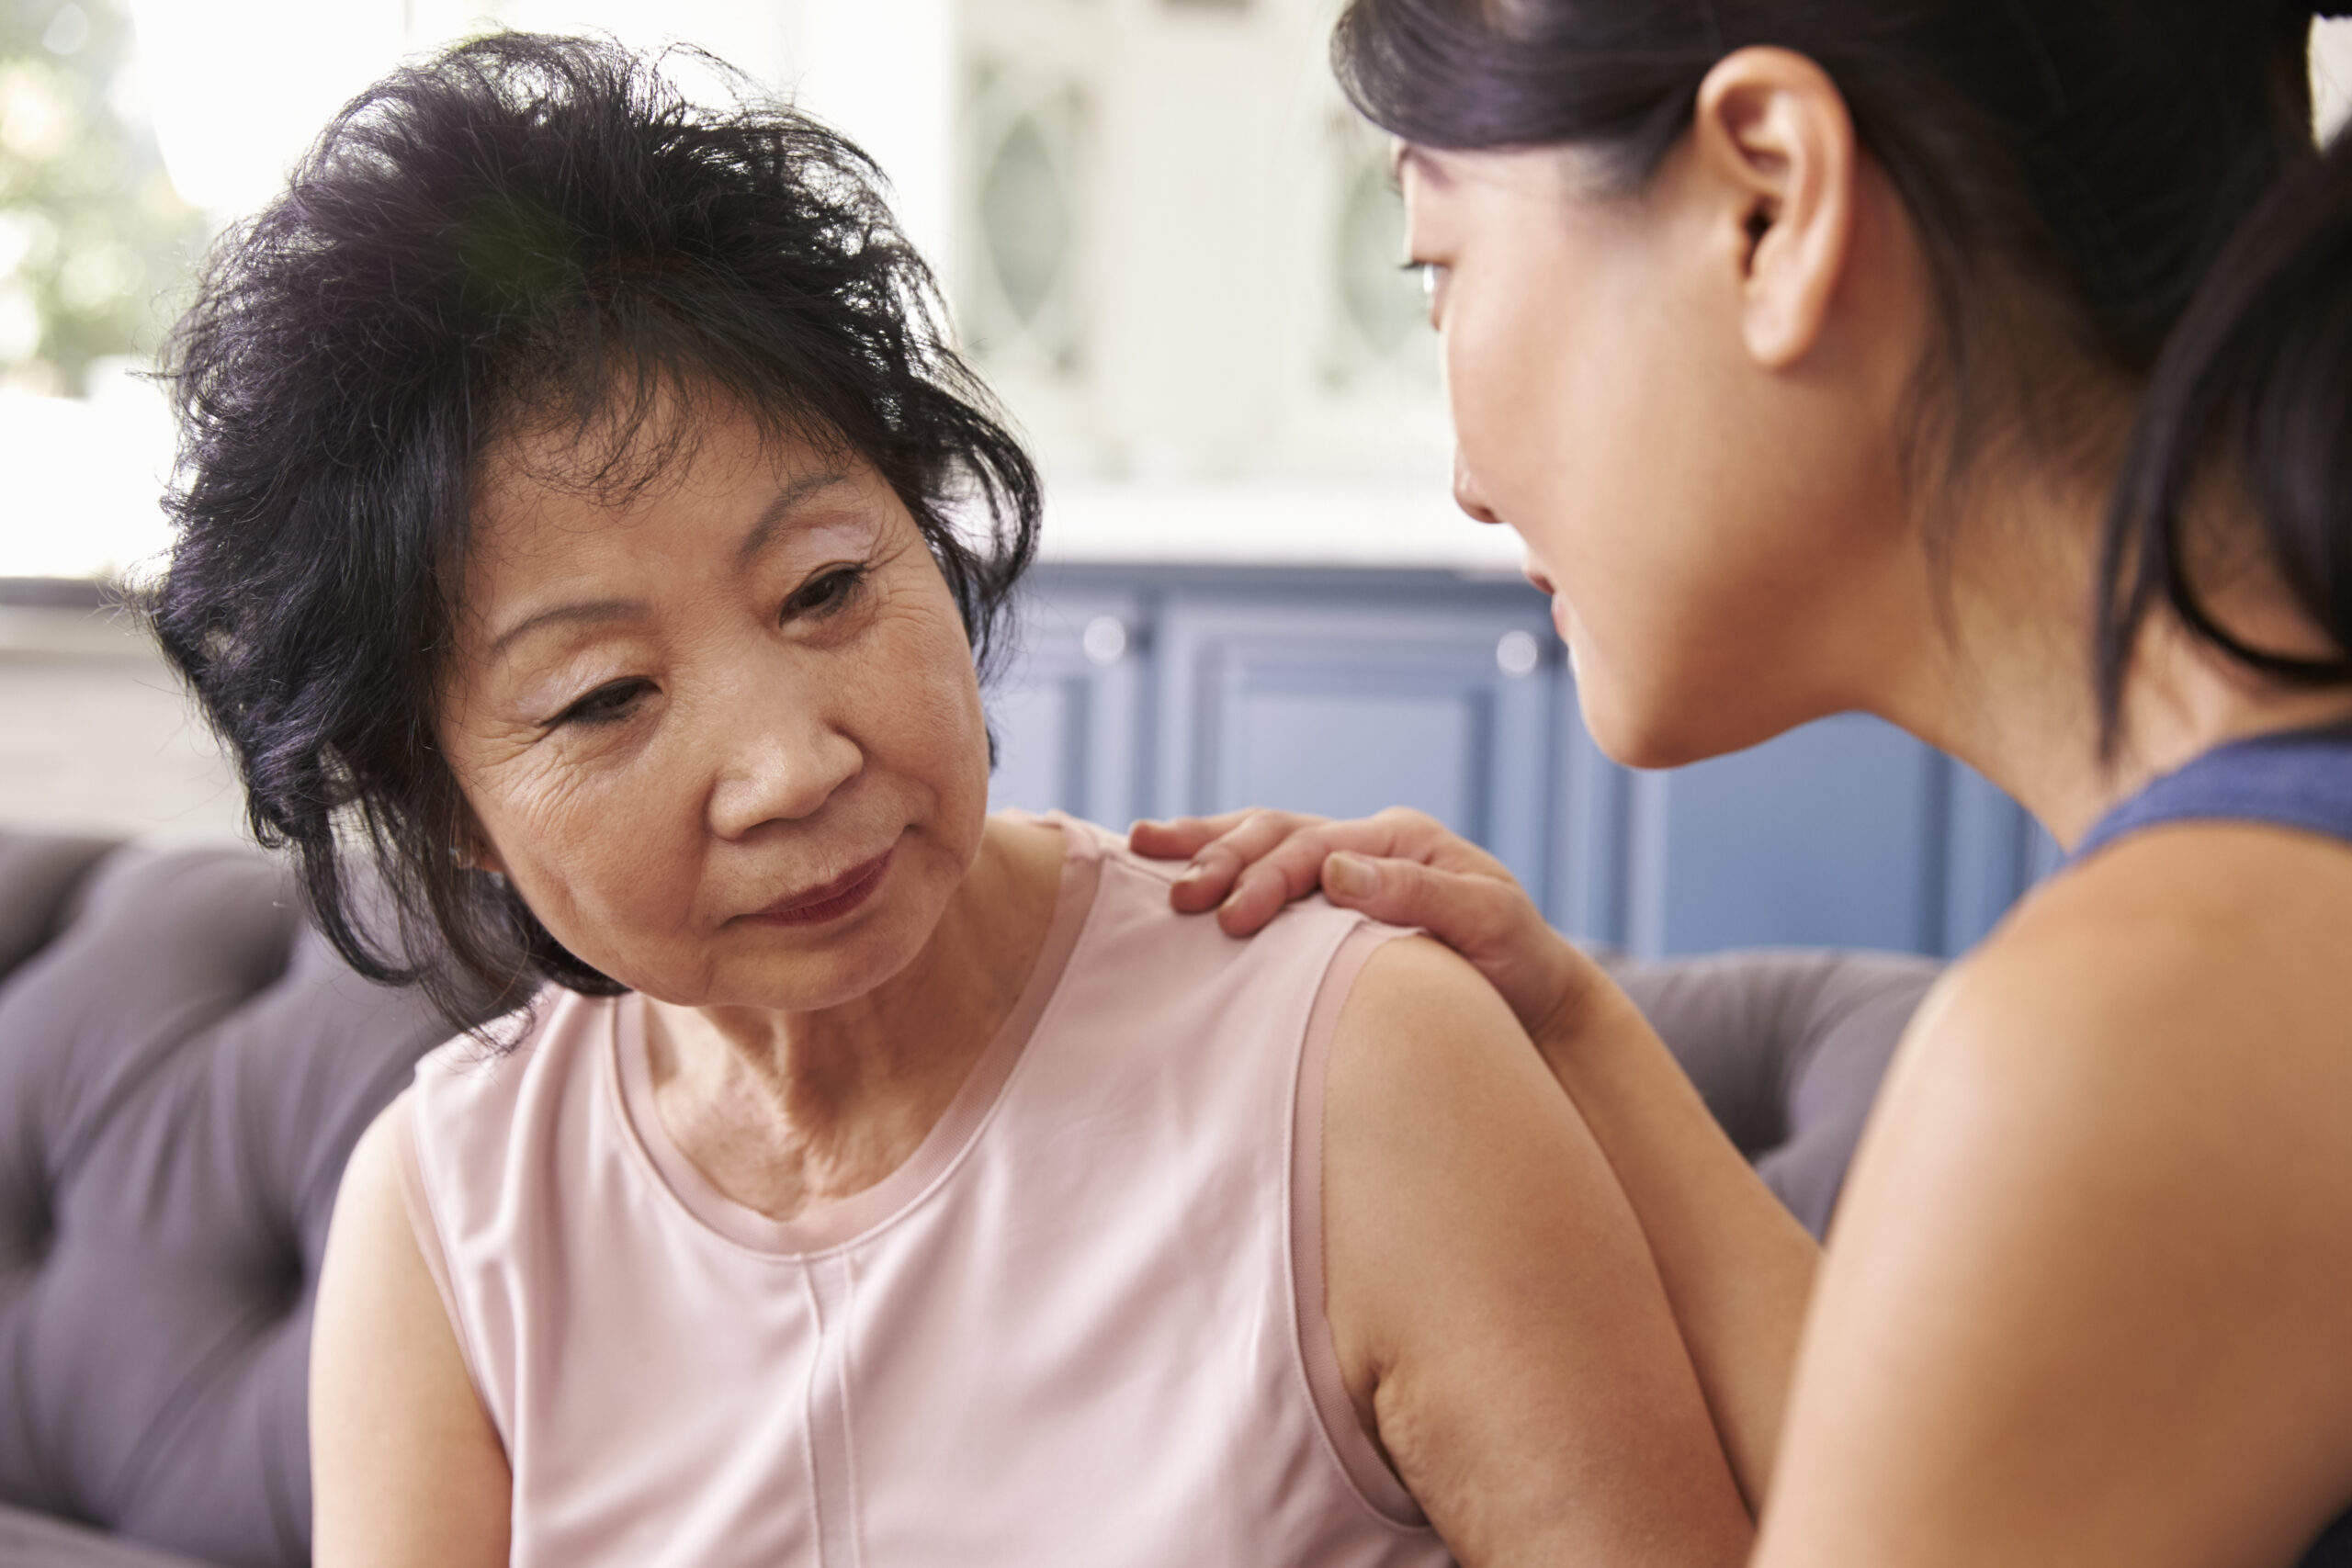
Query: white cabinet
point(1177, 251)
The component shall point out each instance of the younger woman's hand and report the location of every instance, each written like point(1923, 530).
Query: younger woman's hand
point(1400, 866)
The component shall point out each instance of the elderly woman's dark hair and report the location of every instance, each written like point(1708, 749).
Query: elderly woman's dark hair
point(526, 234)
point(2124, 188)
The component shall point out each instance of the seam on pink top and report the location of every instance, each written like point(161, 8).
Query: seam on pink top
point(863, 1214)
point(1367, 1474)
point(416, 1197)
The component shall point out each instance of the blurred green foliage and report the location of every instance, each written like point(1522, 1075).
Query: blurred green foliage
point(93, 238)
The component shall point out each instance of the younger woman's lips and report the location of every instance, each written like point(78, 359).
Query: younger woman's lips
point(831, 900)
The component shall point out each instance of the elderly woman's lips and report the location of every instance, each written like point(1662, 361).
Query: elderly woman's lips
point(829, 901)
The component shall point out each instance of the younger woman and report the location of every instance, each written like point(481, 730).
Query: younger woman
point(1987, 368)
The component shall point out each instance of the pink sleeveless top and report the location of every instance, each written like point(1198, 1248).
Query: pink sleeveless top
point(1083, 1325)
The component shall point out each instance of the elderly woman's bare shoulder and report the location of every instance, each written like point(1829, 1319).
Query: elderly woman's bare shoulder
point(1462, 1188)
point(390, 1398)
point(1418, 1004)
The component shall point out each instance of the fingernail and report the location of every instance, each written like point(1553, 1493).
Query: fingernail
point(1352, 875)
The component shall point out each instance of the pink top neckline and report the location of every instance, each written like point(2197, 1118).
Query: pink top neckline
point(851, 1219)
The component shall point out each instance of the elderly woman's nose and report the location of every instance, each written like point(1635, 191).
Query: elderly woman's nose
point(1466, 494)
point(781, 761)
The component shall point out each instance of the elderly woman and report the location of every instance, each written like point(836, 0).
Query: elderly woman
point(577, 544)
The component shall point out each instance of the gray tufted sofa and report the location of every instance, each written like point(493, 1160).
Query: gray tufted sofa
point(184, 1069)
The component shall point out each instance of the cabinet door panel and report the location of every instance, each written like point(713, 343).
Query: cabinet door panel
point(1834, 836)
point(1345, 709)
point(1066, 712)
point(1041, 736)
point(1998, 852)
point(1347, 745)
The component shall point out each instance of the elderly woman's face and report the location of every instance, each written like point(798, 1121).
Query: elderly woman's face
point(725, 736)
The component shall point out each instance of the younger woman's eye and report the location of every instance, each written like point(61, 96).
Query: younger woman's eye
point(607, 704)
point(825, 593)
point(1431, 277)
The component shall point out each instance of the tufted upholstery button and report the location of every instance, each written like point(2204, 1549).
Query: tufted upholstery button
point(41, 874)
point(25, 1237)
point(280, 1284)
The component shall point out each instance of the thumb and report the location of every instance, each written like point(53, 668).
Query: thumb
point(1471, 914)
point(1487, 918)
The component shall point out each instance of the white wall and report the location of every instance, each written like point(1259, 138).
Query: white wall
point(2332, 74)
point(95, 736)
point(883, 72)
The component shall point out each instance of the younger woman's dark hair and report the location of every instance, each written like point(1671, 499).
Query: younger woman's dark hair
point(526, 232)
point(2107, 192)
point(2255, 389)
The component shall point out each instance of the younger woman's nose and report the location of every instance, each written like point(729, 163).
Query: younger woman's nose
point(1466, 494)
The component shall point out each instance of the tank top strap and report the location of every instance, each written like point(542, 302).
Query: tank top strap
point(2298, 778)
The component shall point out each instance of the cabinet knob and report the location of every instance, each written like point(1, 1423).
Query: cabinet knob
point(1104, 640)
point(1517, 654)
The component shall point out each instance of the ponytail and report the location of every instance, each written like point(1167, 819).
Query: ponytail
point(2254, 386)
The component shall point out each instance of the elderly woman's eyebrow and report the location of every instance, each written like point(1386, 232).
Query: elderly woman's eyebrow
point(772, 520)
point(780, 510)
point(587, 610)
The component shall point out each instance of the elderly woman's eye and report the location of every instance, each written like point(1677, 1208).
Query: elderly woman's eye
point(605, 704)
point(825, 593)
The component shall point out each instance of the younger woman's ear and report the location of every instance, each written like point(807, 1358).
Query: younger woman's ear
point(1775, 142)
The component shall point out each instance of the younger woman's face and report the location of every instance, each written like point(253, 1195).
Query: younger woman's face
point(1709, 527)
point(724, 735)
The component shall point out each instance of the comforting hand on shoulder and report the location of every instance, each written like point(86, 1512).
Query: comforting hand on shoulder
point(1400, 866)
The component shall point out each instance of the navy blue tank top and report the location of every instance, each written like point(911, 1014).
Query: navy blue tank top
point(2297, 779)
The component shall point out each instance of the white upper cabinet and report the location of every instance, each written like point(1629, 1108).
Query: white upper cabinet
point(1178, 255)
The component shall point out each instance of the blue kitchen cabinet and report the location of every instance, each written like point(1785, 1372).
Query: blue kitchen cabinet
point(1165, 691)
point(1844, 833)
point(1832, 836)
point(1066, 708)
point(1343, 706)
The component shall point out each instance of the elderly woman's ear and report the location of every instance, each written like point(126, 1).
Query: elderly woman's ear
point(470, 849)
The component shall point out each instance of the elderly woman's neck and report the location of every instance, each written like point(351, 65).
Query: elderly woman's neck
point(786, 1112)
